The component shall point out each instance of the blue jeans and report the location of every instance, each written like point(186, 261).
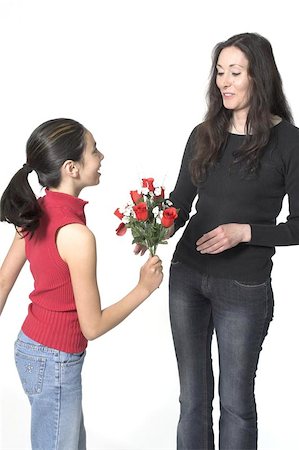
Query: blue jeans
point(52, 381)
point(240, 313)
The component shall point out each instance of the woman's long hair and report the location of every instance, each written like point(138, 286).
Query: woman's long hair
point(267, 99)
point(48, 147)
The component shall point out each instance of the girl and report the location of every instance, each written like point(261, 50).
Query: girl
point(65, 310)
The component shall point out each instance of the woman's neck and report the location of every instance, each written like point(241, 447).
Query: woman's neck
point(238, 123)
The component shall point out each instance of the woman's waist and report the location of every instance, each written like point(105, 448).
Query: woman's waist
point(243, 262)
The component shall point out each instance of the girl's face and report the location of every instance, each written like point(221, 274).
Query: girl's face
point(90, 166)
point(232, 79)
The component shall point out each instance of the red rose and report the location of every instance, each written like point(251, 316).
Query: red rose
point(169, 216)
point(148, 183)
point(120, 231)
point(118, 214)
point(136, 196)
point(141, 211)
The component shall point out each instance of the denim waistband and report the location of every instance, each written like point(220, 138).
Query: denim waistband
point(26, 342)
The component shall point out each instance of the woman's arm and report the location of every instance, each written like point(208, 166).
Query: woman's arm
point(183, 194)
point(11, 267)
point(285, 233)
point(77, 247)
point(223, 237)
point(185, 191)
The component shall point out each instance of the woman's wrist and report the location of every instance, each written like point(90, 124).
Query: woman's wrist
point(246, 233)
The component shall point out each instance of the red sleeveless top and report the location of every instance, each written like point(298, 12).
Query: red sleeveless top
point(52, 318)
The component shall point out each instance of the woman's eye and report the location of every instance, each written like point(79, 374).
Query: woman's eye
point(219, 74)
point(235, 74)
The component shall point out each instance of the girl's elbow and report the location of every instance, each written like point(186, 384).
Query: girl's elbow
point(92, 333)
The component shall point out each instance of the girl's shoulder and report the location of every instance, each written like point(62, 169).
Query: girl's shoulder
point(75, 241)
point(76, 231)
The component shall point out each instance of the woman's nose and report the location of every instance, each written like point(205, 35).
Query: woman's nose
point(226, 81)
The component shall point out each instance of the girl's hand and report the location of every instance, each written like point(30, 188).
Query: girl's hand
point(223, 237)
point(151, 274)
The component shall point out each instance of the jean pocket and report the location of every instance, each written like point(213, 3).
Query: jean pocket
point(74, 358)
point(250, 284)
point(70, 370)
point(31, 371)
point(175, 263)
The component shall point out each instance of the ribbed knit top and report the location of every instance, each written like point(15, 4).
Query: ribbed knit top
point(229, 195)
point(52, 318)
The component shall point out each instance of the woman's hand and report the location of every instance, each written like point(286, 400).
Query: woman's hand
point(170, 231)
point(141, 249)
point(151, 274)
point(223, 237)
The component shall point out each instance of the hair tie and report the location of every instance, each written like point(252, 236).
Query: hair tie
point(27, 168)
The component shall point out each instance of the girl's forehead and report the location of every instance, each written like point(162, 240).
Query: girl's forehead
point(89, 138)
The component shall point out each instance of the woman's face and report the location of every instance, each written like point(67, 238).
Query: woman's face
point(232, 79)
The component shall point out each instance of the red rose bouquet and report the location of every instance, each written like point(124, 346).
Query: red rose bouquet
point(148, 214)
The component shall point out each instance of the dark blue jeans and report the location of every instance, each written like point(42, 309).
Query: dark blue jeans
point(240, 313)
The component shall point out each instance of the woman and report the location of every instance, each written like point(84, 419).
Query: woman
point(65, 310)
point(241, 161)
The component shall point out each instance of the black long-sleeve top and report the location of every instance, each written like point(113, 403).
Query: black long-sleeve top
point(229, 196)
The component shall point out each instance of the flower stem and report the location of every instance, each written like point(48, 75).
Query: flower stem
point(153, 249)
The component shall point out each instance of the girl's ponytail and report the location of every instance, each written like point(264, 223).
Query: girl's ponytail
point(19, 204)
point(48, 147)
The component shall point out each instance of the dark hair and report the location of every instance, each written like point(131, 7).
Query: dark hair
point(267, 99)
point(48, 147)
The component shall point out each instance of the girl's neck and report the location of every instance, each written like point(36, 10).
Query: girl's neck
point(70, 190)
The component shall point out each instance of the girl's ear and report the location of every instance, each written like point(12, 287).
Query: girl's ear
point(70, 168)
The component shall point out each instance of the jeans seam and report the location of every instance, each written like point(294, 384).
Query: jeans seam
point(206, 386)
point(58, 403)
point(268, 288)
point(262, 335)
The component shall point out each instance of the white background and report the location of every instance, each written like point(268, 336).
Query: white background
point(135, 74)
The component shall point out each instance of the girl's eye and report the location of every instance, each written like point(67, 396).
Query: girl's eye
point(219, 74)
point(235, 74)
